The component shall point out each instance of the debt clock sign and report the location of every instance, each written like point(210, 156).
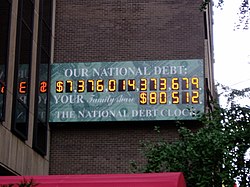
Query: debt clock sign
point(126, 91)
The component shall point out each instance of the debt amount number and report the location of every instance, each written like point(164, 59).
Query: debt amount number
point(175, 97)
point(95, 85)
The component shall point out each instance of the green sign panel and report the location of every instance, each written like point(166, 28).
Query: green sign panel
point(127, 91)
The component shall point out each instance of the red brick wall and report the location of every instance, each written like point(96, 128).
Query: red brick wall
point(118, 30)
point(113, 30)
point(103, 147)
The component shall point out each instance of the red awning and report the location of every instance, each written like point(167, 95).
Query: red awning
point(104, 180)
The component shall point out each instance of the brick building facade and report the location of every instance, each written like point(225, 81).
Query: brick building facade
point(92, 31)
point(38, 33)
point(103, 31)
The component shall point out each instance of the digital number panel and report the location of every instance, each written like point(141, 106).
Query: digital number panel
point(152, 91)
point(181, 90)
point(23, 87)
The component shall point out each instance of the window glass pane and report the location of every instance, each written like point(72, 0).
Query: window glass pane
point(46, 34)
point(26, 45)
point(21, 117)
point(5, 8)
point(43, 87)
point(27, 13)
point(22, 94)
point(42, 136)
point(23, 76)
point(22, 68)
point(47, 12)
point(43, 60)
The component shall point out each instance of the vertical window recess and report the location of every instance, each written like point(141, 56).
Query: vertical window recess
point(5, 15)
point(22, 72)
point(43, 65)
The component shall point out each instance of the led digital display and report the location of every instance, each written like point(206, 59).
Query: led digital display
point(23, 87)
point(126, 91)
point(191, 85)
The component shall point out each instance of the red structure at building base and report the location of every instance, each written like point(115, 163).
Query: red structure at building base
point(172, 179)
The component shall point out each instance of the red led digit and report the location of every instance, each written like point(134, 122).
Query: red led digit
point(22, 87)
point(43, 86)
point(2, 87)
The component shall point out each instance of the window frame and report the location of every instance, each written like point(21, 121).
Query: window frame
point(23, 135)
point(39, 144)
point(5, 80)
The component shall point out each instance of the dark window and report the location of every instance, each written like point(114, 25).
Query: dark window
point(43, 65)
point(205, 25)
point(5, 13)
point(23, 61)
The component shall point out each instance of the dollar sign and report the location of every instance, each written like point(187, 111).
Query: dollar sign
point(59, 86)
point(43, 87)
point(143, 98)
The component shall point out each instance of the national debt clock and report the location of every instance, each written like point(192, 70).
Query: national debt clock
point(126, 91)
